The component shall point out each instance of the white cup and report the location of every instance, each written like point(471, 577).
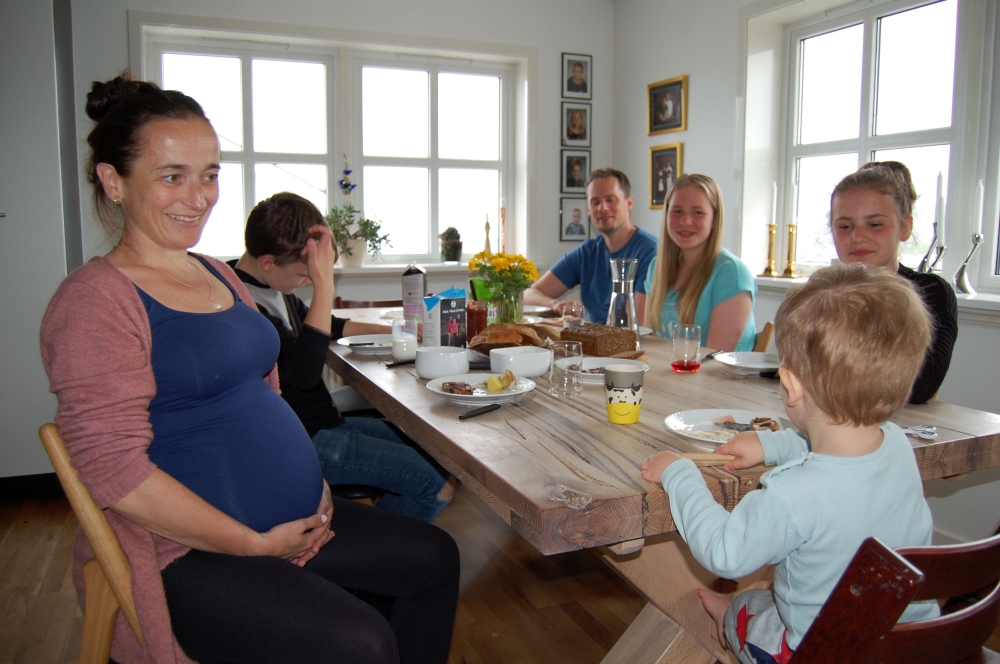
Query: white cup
point(440, 361)
point(404, 349)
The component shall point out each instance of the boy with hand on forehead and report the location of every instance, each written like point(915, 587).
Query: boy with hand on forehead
point(851, 342)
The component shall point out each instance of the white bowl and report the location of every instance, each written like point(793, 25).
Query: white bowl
point(524, 361)
point(438, 361)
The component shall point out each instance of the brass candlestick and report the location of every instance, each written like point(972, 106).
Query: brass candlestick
point(790, 272)
point(771, 270)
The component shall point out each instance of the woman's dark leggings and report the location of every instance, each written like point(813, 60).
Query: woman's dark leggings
point(259, 609)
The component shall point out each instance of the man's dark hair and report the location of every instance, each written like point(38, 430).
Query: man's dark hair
point(611, 173)
point(280, 226)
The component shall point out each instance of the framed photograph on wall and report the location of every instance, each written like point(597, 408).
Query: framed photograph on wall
point(576, 73)
point(664, 168)
point(573, 219)
point(575, 169)
point(575, 124)
point(666, 105)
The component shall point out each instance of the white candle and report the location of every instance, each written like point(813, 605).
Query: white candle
point(795, 203)
point(977, 213)
point(774, 205)
point(939, 210)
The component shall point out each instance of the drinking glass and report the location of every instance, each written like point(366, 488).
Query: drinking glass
point(687, 348)
point(623, 392)
point(404, 338)
point(573, 315)
point(564, 372)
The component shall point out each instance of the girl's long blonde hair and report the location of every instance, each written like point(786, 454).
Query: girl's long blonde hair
point(668, 256)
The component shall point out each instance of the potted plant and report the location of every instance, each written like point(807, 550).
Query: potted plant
point(451, 245)
point(352, 233)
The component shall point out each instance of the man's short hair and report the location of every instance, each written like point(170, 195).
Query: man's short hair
point(280, 226)
point(611, 173)
point(856, 338)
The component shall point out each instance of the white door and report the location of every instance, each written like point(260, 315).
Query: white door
point(32, 247)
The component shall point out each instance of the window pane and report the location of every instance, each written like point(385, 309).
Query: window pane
point(223, 234)
point(394, 105)
point(397, 197)
point(215, 83)
point(468, 117)
point(289, 106)
point(817, 178)
point(924, 163)
point(465, 198)
point(831, 86)
point(916, 68)
point(306, 180)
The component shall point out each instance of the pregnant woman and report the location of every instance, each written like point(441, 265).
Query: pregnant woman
point(164, 373)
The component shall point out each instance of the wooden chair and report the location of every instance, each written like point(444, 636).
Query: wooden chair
point(858, 622)
point(108, 578)
point(339, 303)
point(763, 339)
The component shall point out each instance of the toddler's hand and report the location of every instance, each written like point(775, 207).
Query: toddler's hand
point(654, 466)
point(746, 448)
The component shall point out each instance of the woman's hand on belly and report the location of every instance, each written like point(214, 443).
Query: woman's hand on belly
point(325, 508)
point(298, 541)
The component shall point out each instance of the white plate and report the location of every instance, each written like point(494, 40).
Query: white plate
point(643, 331)
point(395, 312)
point(536, 309)
point(381, 343)
point(481, 396)
point(698, 424)
point(531, 320)
point(749, 362)
point(598, 362)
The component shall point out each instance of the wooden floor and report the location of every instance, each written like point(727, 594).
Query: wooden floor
point(516, 606)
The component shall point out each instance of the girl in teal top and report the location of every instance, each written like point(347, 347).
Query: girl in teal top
point(693, 280)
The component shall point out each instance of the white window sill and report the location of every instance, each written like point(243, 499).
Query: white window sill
point(979, 309)
point(398, 268)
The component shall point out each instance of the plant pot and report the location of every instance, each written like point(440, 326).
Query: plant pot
point(356, 258)
point(451, 252)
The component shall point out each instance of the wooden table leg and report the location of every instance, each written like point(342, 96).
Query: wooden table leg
point(654, 638)
point(668, 575)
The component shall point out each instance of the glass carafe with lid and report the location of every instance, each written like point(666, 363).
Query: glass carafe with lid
point(621, 312)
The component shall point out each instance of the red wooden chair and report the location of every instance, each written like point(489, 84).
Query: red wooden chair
point(858, 622)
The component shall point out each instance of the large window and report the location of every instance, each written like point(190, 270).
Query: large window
point(874, 85)
point(433, 151)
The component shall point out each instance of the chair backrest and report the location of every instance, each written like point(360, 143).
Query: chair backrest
point(95, 526)
point(339, 303)
point(763, 339)
point(857, 623)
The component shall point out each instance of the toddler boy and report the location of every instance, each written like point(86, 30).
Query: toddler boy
point(851, 342)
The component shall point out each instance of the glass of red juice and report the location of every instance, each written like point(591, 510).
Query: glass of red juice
point(475, 317)
point(686, 356)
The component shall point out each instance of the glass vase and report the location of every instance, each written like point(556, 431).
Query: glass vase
point(510, 307)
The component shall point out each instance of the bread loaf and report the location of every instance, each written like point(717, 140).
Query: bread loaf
point(601, 340)
point(504, 335)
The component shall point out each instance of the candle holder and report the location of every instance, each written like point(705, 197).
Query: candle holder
point(962, 284)
point(925, 262)
point(790, 272)
point(771, 270)
point(934, 267)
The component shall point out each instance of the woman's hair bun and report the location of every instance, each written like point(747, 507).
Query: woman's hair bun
point(103, 95)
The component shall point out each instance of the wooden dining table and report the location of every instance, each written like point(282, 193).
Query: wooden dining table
point(565, 478)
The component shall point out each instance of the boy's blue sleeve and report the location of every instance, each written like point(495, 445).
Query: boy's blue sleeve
point(761, 529)
point(782, 446)
point(567, 269)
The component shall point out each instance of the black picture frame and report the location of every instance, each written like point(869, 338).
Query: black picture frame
point(575, 122)
point(665, 166)
point(577, 84)
point(571, 180)
point(573, 219)
point(666, 105)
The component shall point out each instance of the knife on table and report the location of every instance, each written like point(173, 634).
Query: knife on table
point(479, 411)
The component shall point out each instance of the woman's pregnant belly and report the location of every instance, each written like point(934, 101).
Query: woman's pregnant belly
point(245, 452)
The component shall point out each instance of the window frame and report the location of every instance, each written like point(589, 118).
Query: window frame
point(989, 253)
point(434, 66)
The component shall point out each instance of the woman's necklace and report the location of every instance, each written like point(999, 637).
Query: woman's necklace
point(134, 256)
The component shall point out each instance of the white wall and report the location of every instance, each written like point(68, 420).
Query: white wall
point(550, 26)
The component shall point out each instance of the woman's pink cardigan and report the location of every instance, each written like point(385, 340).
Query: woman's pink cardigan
point(96, 344)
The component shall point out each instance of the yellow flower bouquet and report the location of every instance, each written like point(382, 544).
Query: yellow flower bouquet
point(507, 276)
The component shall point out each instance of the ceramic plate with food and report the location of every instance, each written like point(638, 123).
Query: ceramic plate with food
point(593, 368)
point(368, 344)
point(707, 424)
point(456, 389)
point(749, 362)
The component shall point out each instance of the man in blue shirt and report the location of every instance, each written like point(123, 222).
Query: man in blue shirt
point(609, 201)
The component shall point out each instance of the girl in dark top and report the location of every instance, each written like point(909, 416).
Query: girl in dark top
point(871, 212)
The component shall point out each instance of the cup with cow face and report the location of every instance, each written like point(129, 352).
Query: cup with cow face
point(623, 392)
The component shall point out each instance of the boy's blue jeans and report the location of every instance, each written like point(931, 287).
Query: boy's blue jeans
point(366, 450)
